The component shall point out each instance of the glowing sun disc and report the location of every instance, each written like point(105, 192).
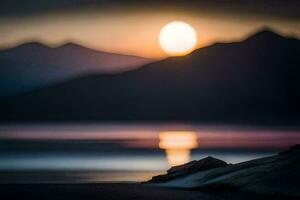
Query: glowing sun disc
point(178, 38)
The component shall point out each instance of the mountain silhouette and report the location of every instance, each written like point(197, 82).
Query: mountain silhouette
point(254, 81)
point(35, 65)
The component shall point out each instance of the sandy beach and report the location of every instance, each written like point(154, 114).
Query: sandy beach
point(132, 191)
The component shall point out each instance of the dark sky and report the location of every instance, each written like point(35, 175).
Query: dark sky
point(272, 8)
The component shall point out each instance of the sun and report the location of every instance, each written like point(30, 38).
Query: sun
point(178, 38)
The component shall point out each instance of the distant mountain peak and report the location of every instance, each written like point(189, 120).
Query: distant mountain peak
point(34, 43)
point(30, 45)
point(70, 45)
point(267, 32)
point(266, 29)
point(264, 34)
point(40, 45)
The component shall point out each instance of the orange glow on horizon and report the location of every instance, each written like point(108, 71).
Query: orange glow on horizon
point(130, 33)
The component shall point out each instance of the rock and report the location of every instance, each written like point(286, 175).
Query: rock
point(292, 149)
point(275, 176)
point(189, 168)
point(200, 165)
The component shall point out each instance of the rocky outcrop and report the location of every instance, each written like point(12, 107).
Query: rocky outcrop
point(277, 175)
point(292, 149)
point(189, 168)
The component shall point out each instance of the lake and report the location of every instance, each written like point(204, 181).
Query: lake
point(126, 152)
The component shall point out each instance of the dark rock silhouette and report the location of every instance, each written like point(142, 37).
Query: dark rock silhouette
point(34, 65)
point(292, 149)
point(254, 81)
point(189, 168)
point(276, 176)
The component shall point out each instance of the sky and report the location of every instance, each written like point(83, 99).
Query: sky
point(132, 27)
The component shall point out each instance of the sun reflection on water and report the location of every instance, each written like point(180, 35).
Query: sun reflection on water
point(178, 145)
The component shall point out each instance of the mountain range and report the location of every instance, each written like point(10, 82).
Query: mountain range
point(254, 81)
point(34, 65)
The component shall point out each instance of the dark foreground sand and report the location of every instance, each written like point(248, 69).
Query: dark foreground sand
point(111, 191)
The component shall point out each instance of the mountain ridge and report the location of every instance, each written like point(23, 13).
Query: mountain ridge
point(39, 44)
point(252, 81)
point(35, 65)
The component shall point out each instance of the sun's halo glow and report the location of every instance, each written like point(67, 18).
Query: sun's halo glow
point(177, 38)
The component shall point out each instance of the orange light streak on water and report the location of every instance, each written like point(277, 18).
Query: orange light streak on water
point(178, 145)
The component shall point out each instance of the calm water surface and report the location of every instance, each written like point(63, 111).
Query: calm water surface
point(100, 153)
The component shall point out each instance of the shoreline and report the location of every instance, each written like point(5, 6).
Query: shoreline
point(47, 191)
